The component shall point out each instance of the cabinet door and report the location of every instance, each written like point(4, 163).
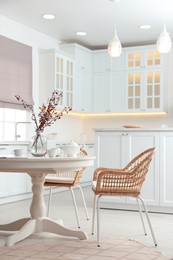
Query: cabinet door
point(138, 142)
point(109, 149)
point(83, 96)
point(108, 92)
point(56, 73)
point(101, 92)
point(143, 58)
point(64, 80)
point(101, 62)
point(116, 92)
point(89, 171)
point(152, 91)
point(166, 169)
point(133, 59)
point(109, 152)
point(144, 91)
point(133, 91)
point(117, 63)
point(83, 59)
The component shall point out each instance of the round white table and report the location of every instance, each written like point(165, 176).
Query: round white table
point(38, 168)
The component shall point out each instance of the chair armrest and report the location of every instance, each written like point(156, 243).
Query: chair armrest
point(112, 179)
point(100, 169)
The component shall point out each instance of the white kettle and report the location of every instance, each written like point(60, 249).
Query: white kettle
point(71, 149)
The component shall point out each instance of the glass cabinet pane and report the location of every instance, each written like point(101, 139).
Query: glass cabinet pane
point(134, 60)
point(153, 90)
point(153, 58)
point(134, 90)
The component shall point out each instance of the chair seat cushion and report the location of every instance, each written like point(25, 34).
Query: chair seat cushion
point(94, 183)
point(59, 179)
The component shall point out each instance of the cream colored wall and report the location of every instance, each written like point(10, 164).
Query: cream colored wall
point(67, 128)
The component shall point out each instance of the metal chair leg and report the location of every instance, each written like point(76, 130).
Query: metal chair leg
point(84, 203)
point(149, 223)
point(93, 217)
point(98, 221)
point(140, 212)
point(75, 206)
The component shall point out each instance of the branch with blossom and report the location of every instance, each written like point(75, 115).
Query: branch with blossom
point(49, 114)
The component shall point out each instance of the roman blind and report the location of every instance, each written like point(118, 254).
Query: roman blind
point(15, 73)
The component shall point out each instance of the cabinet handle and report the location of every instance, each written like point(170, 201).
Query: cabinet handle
point(90, 146)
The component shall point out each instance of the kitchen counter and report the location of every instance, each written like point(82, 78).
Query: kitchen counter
point(14, 143)
point(123, 129)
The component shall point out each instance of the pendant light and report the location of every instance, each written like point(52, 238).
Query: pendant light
point(164, 41)
point(114, 47)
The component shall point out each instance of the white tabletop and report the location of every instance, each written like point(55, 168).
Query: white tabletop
point(45, 164)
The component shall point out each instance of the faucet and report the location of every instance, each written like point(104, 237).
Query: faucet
point(16, 124)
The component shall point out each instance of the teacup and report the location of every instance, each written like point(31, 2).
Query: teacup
point(19, 152)
point(52, 152)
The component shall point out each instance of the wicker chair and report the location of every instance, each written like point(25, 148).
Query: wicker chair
point(69, 180)
point(122, 182)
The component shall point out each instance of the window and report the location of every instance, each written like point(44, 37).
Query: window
point(15, 73)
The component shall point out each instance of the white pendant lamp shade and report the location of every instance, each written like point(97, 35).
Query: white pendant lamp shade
point(114, 47)
point(164, 41)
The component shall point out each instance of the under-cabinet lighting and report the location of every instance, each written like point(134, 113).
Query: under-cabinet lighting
point(82, 114)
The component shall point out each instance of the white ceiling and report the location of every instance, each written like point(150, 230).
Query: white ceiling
point(97, 17)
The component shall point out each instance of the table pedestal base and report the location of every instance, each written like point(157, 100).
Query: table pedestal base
point(26, 227)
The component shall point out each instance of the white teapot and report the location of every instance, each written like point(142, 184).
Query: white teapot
point(71, 149)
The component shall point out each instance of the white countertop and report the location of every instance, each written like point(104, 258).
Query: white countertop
point(161, 129)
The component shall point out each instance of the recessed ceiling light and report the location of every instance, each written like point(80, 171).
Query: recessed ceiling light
point(81, 33)
point(145, 26)
point(48, 16)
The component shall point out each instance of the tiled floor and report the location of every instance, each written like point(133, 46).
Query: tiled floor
point(115, 224)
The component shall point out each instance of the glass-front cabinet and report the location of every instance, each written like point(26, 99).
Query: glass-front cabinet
point(143, 80)
point(64, 80)
point(56, 73)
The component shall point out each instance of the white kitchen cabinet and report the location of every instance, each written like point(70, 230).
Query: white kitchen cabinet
point(89, 171)
point(83, 94)
point(82, 76)
point(144, 79)
point(13, 185)
point(103, 62)
point(108, 92)
point(116, 148)
point(56, 73)
point(108, 82)
point(166, 169)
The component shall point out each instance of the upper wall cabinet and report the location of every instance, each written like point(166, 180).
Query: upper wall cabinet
point(108, 82)
point(102, 62)
point(56, 73)
point(83, 72)
point(144, 80)
point(145, 57)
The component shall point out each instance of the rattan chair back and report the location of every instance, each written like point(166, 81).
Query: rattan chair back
point(127, 181)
